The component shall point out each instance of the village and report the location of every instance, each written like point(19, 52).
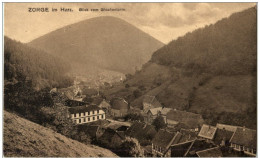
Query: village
point(160, 131)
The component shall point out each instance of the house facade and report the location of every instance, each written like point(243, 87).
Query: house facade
point(244, 140)
point(150, 102)
point(162, 142)
point(86, 114)
point(152, 114)
point(119, 107)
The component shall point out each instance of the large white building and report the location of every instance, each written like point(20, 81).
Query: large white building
point(86, 114)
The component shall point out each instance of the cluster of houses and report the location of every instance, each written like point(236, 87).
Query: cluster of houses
point(186, 135)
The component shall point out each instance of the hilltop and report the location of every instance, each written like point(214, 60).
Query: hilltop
point(211, 71)
point(98, 43)
point(28, 139)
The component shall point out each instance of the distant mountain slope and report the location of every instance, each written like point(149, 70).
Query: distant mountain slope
point(228, 47)
point(23, 138)
point(43, 69)
point(211, 71)
point(105, 42)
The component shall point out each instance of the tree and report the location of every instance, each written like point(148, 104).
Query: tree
point(159, 123)
point(131, 148)
point(137, 93)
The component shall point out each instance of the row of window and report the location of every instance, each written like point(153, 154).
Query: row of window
point(88, 119)
point(84, 114)
point(238, 147)
point(157, 148)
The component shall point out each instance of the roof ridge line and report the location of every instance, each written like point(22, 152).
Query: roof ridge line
point(206, 149)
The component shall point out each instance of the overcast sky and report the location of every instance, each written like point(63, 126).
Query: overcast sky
point(164, 21)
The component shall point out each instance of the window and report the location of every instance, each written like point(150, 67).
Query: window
point(93, 118)
point(97, 117)
point(84, 114)
point(79, 120)
point(84, 120)
point(93, 112)
point(102, 116)
point(88, 113)
point(89, 119)
point(97, 111)
point(74, 115)
point(79, 114)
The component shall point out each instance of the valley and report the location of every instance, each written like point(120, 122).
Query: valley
point(101, 87)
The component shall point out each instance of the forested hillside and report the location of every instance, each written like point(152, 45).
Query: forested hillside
point(43, 69)
point(211, 71)
point(225, 48)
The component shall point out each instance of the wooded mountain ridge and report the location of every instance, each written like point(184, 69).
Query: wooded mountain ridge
point(211, 71)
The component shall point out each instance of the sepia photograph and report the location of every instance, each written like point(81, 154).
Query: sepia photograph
point(121, 79)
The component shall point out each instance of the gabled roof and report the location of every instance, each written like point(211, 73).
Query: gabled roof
point(189, 148)
point(244, 136)
point(151, 100)
point(141, 131)
point(82, 109)
point(108, 135)
point(222, 134)
point(96, 100)
point(190, 119)
point(187, 135)
point(164, 111)
point(119, 104)
point(198, 145)
point(91, 130)
point(179, 150)
point(74, 103)
point(212, 152)
point(207, 131)
point(163, 138)
point(155, 111)
point(104, 104)
point(226, 127)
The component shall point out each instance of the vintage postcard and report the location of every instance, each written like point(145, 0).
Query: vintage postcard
point(130, 79)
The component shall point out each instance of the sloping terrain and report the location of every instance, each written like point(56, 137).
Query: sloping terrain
point(105, 42)
point(45, 70)
point(211, 71)
point(23, 138)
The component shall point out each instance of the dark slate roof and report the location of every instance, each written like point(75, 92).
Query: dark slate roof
point(207, 131)
point(222, 134)
point(119, 104)
point(212, 152)
point(74, 103)
point(189, 148)
point(79, 109)
point(108, 135)
point(91, 130)
point(226, 127)
point(244, 136)
point(198, 145)
point(187, 135)
point(141, 131)
point(179, 150)
point(190, 119)
point(96, 100)
point(163, 138)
